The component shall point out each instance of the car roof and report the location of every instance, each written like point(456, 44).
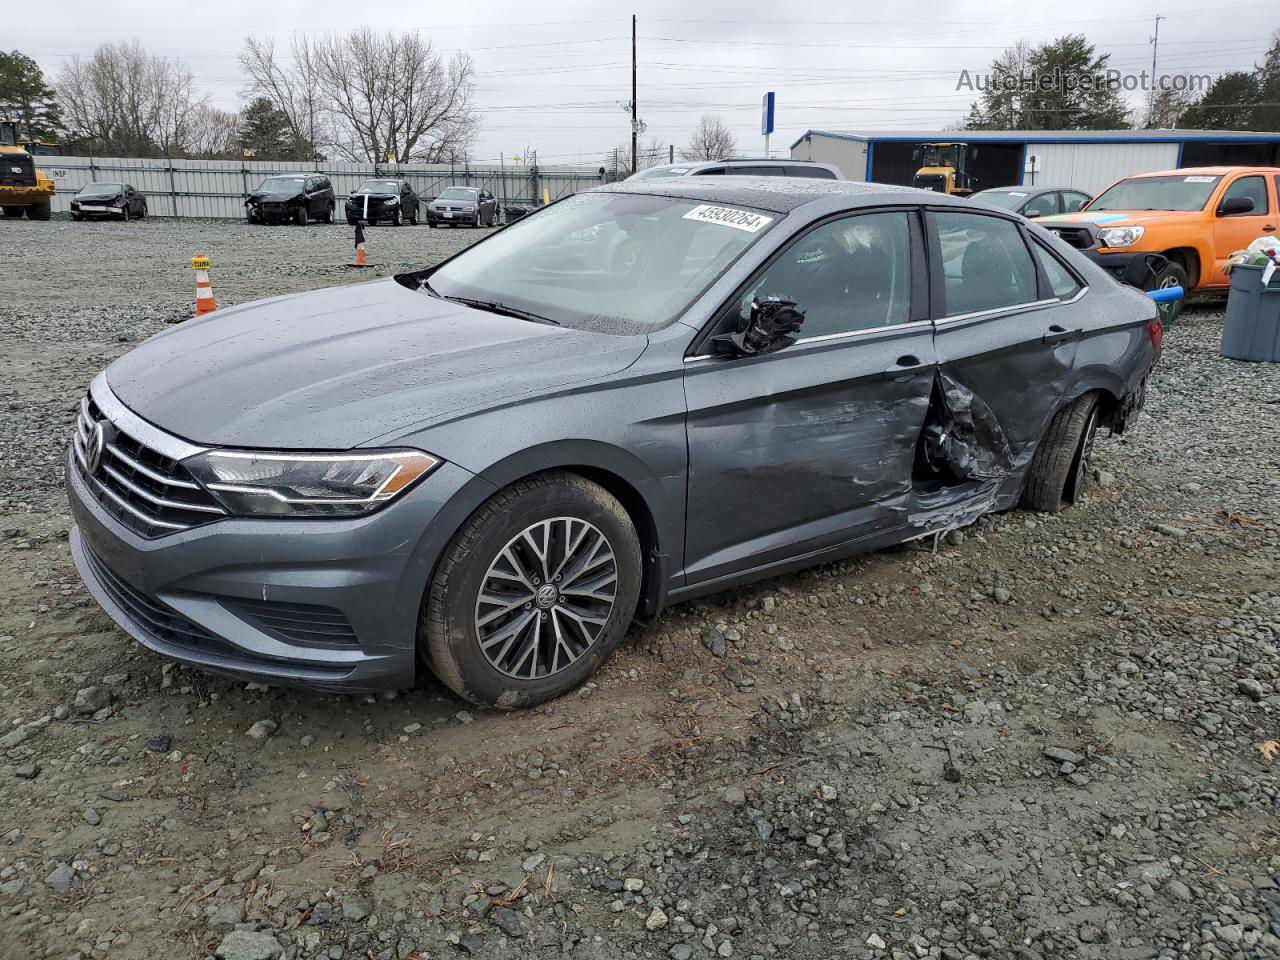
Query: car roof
point(1204, 171)
point(778, 194)
point(1028, 190)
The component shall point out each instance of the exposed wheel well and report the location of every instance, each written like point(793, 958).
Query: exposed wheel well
point(1189, 260)
point(1109, 409)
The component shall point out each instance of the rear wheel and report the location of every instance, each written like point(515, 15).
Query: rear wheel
point(143, 214)
point(1059, 470)
point(533, 593)
point(39, 211)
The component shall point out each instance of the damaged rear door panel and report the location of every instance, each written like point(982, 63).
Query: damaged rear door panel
point(813, 446)
point(1006, 347)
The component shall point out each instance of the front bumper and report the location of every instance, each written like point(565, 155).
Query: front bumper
point(273, 212)
point(469, 218)
point(185, 595)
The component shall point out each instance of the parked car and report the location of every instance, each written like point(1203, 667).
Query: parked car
point(291, 197)
point(1195, 217)
point(456, 206)
point(119, 200)
point(743, 168)
point(389, 200)
point(634, 396)
point(1034, 202)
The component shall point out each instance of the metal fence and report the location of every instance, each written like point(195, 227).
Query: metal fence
point(217, 188)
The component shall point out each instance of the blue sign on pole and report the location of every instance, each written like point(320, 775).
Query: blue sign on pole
point(766, 114)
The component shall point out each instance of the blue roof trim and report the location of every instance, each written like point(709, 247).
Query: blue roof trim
point(979, 136)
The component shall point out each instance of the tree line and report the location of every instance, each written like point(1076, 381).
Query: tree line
point(362, 96)
point(1066, 84)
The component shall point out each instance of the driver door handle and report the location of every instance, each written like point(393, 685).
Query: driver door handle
point(1269, 228)
point(904, 368)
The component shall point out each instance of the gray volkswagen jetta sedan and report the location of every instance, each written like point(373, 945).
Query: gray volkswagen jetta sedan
point(488, 468)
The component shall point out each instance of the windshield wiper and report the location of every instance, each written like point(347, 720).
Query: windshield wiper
point(493, 306)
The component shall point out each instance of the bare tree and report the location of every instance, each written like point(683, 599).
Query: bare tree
point(294, 90)
point(211, 134)
point(649, 153)
point(121, 100)
point(371, 96)
point(711, 140)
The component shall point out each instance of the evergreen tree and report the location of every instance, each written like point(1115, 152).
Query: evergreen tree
point(25, 97)
point(1229, 104)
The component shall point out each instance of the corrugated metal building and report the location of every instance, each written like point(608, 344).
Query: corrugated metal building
point(1088, 159)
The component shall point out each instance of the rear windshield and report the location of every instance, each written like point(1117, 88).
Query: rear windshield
point(612, 263)
point(1179, 192)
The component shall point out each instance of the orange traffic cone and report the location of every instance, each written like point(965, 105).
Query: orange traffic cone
point(204, 293)
point(362, 258)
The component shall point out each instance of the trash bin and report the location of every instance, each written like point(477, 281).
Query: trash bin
point(1252, 327)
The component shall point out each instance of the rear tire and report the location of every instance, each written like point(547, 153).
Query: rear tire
point(39, 211)
point(1059, 470)
point(539, 647)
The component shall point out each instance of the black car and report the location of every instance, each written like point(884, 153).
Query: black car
point(391, 200)
point(296, 197)
point(119, 200)
point(635, 396)
point(458, 205)
point(1034, 201)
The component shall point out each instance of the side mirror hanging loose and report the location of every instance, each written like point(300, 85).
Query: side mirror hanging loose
point(771, 325)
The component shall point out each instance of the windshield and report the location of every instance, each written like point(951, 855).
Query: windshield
point(281, 185)
point(657, 173)
point(1190, 192)
point(379, 186)
point(612, 263)
point(459, 193)
point(100, 189)
point(1005, 199)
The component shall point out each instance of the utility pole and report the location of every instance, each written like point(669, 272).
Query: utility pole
point(635, 135)
point(1155, 50)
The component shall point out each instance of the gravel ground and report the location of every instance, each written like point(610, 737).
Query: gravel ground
point(1040, 737)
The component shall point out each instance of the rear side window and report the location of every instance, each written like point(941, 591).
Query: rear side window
point(1071, 202)
point(816, 173)
point(709, 170)
point(756, 171)
point(1061, 280)
point(986, 265)
point(1255, 188)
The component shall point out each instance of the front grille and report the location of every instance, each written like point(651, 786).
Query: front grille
point(1079, 237)
point(157, 620)
point(17, 170)
point(148, 492)
point(301, 624)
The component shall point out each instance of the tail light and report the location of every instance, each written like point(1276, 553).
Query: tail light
point(1155, 330)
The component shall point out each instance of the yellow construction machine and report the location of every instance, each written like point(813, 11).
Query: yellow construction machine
point(23, 188)
point(943, 168)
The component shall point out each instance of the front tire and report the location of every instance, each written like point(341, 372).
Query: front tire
point(300, 218)
point(533, 593)
point(1059, 470)
point(1173, 275)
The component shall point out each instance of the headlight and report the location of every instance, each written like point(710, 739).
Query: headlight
point(1121, 236)
point(251, 484)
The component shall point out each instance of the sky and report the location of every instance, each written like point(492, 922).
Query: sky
point(551, 75)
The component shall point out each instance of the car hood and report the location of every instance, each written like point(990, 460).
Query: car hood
point(275, 196)
point(1119, 218)
point(336, 368)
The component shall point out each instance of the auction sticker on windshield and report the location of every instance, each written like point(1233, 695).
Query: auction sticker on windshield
point(729, 217)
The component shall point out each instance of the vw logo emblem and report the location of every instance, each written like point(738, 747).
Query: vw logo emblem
point(93, 449)
point(546, 596)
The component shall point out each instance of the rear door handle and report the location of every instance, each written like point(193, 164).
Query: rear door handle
point(1058, 334)
point(905, 368)
point(1269, 228)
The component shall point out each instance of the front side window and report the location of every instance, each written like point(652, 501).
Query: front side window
point(986, 265)
point(1255, 189)
point(1045, 205)
point(1061, 280)
point(846, 275)
point(1178, 192)
point(608, 262)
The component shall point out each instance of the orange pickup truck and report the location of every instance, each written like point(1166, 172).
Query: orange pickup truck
point(1196, 217)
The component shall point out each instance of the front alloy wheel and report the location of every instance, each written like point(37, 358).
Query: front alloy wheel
point(533, 593)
